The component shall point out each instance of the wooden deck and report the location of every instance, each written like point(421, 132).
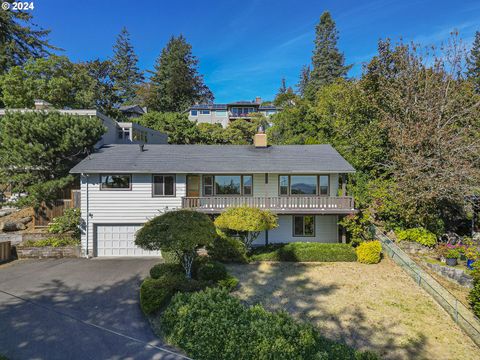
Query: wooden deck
point(280, 204)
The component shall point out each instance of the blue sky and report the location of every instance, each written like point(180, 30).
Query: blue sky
point(246, 47)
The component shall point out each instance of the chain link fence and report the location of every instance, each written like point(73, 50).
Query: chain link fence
point(457, 310)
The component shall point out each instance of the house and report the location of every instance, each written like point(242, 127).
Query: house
point(225, 113)
point(123, 186)
point(132, 111)
point(116, 132)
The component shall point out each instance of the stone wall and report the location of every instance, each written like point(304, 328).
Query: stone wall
point(457, 275)
point(27, 252)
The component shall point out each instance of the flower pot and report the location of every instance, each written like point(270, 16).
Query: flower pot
point(469, 264)
point(451, 261)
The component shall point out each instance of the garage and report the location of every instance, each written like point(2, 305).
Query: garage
point(118, 240)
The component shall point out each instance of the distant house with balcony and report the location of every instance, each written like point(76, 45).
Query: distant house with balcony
point(116, 132)
point(225, 113)
point(123, 186)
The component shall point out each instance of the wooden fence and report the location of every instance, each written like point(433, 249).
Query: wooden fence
point(47, 212)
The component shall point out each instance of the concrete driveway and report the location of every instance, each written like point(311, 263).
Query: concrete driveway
point(45, 319)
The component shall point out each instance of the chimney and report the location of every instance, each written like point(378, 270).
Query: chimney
point(260, 138)
point(258, 100)
point(141, 147)
point(42, 104)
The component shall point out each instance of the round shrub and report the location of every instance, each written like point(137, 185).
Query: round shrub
point(230, 283)
point(227, 249)
point(369, 252)
point(211, 271)
point(160, 270)
point(419, 235)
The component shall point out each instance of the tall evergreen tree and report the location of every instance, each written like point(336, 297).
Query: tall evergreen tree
point(125, 72)
point(176, 83)
point(473, 63)
point(20, 39)
point(303, 81)
point(328, 63)
point(283, 87)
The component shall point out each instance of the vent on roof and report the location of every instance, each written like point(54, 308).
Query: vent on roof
point(142, 146)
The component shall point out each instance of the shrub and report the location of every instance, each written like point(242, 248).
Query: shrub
point(369, 252)
point(211, 271)
point(230, 283)
point(181, 232)
point(53, 241)
point(221, 324)
point(452, 254)
point(474, 297)
point(307, 252)
point(248, 222)
point(69, 221)
point(169, 269)
point(227, 249)
point(419, 235)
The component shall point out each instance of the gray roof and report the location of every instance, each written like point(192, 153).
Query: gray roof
point(214, 159)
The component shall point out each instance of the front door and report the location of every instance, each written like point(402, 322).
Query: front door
point(193, 185)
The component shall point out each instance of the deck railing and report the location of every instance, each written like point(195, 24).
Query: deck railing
point(331, 204)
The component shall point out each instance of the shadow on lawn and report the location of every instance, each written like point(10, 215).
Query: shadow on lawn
point(39, 330)
point(285, 286)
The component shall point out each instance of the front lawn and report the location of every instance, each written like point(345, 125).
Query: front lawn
point(370, 307)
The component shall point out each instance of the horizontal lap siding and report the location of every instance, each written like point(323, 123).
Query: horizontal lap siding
point(135, 206)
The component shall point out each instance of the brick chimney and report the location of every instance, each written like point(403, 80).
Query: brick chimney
point(258, 100)
point(42, 104)
point(260, 138)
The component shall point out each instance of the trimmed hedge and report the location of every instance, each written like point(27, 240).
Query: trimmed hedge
point(212, 271)
point(166, 269)
point(227, 249)
point(211, 322)
point(369, 252)
point(305, 252)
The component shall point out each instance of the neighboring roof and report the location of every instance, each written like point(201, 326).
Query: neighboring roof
point(225, 106)
point(132, 108)
point(226, 159)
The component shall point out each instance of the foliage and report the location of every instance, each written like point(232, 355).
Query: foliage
point(21, 39)
point(55, 79)
point(247, 221)
point(155, 293)
point(177, 126)
point(304, 252)
point(474, 297)
point(212, 271)
point(229, 283)
point(419, 235)
point(452, 254)
point(37, 151)
point(358, 226)
point(221, 324)
point(69, 221)
point(227, 249)
point(125, 72)
point(473, 63)
point(53, 241)
point(327, 61)
point(165, 269)
point(176, 83)
point(369, 252)
point(181, 232)
point(169, 257)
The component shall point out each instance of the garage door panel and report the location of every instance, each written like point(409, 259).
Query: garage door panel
point(119, 240)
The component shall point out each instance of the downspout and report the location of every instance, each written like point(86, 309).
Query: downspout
point(87, 217)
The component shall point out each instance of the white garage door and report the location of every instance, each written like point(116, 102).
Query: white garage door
point(119, 240)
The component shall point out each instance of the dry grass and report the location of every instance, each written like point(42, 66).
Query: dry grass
point(375, 307)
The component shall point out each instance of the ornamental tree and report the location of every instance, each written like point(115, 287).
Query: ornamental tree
point(247, 221)
point(181, 232)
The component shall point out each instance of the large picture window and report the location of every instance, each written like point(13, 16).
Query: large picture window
point(227, 185)
point(115, 182)
point(304, 225)
point(303, 185)
point(163, 185)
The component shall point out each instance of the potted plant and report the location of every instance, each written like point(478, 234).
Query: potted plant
point(451, 256)
point(472, 255)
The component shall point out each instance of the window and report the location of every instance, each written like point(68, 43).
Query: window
point(283, 181)
point(221, 113)
point(303, 225)
point(193, 112)
point(228, 185)
point(247, 185)
point(120, 134)
point(115, 182)
point(208, 185)
point(163, 185)
point(204, 112)
point(324, 184)
point(303, 185)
